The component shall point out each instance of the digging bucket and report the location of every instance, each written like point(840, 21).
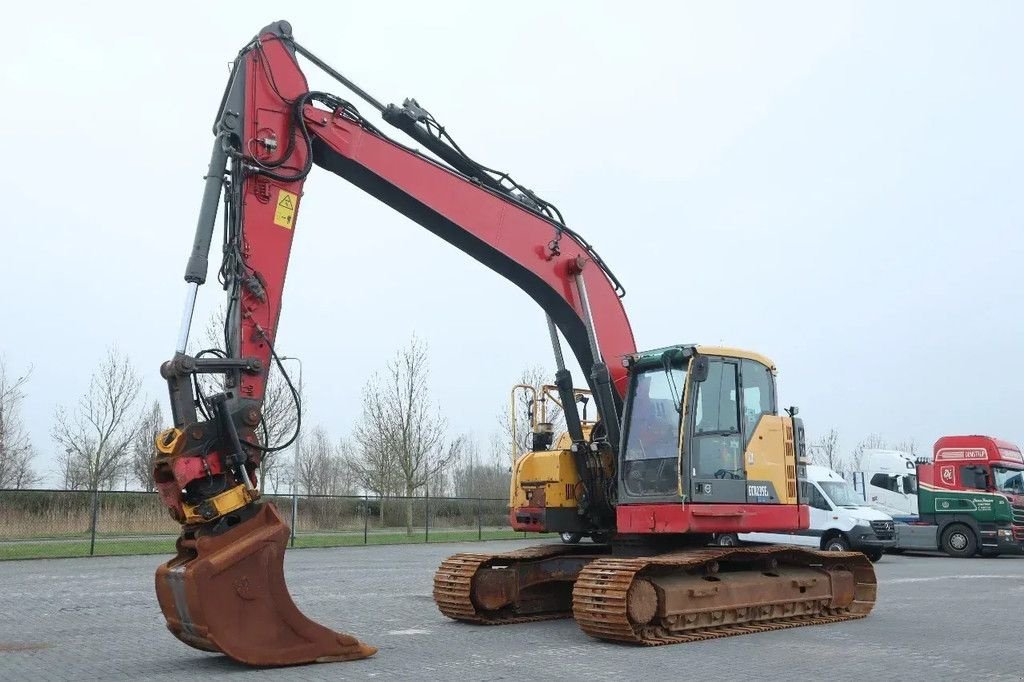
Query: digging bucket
point(226, 593)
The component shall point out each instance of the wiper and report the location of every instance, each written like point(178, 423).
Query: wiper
point(666, 365)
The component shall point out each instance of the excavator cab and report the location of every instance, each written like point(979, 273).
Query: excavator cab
point(700, 424)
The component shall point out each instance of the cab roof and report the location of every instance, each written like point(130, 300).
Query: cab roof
point(731, 352)
point(655, 354)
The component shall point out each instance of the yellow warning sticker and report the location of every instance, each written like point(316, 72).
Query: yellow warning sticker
point(285, 213)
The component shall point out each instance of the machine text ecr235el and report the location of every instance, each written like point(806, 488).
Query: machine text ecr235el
point(688, 441)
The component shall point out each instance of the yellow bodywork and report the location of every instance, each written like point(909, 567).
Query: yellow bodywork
point(170, 442)
point(218, 505)
point(770, 456)
point(728, 352)
point(547, 478)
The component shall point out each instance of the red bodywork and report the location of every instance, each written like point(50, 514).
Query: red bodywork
point(646, 519)
point(951, 452)
point(710, 518)
point(491, 227)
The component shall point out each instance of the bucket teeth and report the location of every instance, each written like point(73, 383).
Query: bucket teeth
point(226, 593)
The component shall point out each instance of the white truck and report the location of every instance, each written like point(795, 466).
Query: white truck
point(887, 481)
point(840, 519)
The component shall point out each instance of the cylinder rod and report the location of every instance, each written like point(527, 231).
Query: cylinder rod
point(556, 346)
point(198, 261)
point(186, 316)
point(588, 320)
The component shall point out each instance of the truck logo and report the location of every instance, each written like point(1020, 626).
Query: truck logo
point(948, 475)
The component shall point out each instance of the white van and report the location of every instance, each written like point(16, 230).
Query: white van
point(840, 519)
point(888, 482)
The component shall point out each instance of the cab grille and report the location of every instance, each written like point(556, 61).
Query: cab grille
point(884, 530)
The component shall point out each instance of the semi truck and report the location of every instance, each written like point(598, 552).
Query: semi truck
point(969, 499)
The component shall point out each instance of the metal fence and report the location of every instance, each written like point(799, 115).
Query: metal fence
point(63, 523)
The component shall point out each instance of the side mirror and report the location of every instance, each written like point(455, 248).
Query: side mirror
point(699, 370)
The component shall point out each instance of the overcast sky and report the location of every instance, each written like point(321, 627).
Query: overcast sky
point(836, 185)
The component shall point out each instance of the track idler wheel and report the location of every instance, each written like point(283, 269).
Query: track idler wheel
point(226, 593)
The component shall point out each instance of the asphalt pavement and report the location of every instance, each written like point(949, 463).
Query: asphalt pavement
point(72, 619)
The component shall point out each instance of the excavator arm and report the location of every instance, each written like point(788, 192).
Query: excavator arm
point(224, 591)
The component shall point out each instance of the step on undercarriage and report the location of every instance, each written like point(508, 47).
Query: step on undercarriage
point(682, 596)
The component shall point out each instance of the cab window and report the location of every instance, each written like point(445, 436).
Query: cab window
point(973, 477)
point(652, 432)
point(758, 395)
point(885, 481)
point(716, 435)
point(809, 494)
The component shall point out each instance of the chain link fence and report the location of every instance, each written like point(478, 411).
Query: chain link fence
point(38, 524)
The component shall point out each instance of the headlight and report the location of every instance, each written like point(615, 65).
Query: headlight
point(1006, 533)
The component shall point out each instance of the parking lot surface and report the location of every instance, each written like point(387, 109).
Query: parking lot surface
point(73, 619)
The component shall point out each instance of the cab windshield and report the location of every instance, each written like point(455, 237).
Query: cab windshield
point(842, 493)
point(653, 430)
point(1008, 480)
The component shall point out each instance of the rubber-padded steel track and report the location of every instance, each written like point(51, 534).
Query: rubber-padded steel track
point(600, 594)
point(453, 584)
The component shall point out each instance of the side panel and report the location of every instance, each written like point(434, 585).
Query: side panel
point(710, 518)
point(770, 459)
point(804, 538)
point(545, 479)
point(982, 506)
point(915, 536)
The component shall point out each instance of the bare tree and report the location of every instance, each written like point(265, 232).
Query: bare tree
point(372, 461)
point(321, 470)
point(514, 421)
point(280, 417)
point(280, 413)
point(97, 435)
point(73, 472)
point(398, 403)
point(16, 452)
point(144, 447)
point(908, 446)
point(825, 451)
point(484, 476)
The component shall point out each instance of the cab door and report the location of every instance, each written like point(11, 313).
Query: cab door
point(714, 439)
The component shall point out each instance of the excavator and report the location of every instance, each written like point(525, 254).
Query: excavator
point(686, 440)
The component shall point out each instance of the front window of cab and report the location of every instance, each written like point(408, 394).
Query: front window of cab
point(1008, 480)
point(842, 493)
point(652, 431)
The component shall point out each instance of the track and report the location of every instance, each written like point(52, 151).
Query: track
point(603, 604)
point(453, 583)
